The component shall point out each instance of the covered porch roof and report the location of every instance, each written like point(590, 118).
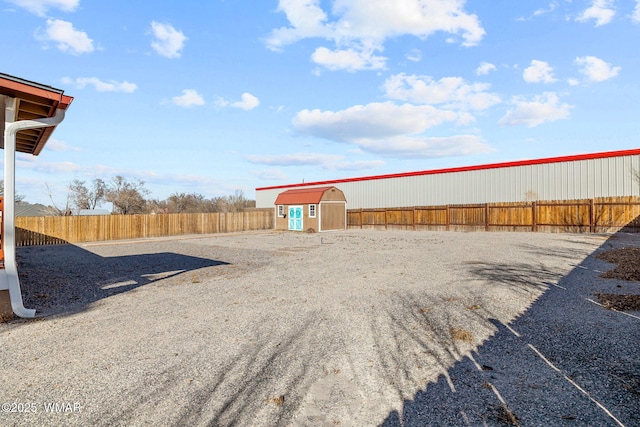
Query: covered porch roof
point(27, 100)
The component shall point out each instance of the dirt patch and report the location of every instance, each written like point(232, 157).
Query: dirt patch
point(628, 263)
point(619, 302)
point(278, 401)
point(461, 335)
point(503, 415)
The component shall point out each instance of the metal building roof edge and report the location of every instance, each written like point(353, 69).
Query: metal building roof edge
point(547, 160)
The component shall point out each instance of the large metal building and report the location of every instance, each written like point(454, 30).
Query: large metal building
point(585, 176)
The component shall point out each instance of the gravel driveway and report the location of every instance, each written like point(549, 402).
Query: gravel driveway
point(352, 328)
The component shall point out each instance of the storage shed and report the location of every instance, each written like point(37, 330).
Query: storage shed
point(317, 209)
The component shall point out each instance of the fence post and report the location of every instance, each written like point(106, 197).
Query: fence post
point(361, 218)
point(413, 218)
point(534, 220)
point(592, 217)
point(448, 219)
point(486, 217)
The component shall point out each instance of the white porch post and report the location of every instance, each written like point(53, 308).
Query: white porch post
point(9, 276)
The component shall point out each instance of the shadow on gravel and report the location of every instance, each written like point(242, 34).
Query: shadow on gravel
point(66, 279)
point(267, 378)
point(566, 361)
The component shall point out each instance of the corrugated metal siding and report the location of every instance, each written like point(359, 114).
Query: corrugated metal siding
point(581, 179)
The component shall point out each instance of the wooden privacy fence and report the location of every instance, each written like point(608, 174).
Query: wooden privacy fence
point(54, 230)
point(591, 215)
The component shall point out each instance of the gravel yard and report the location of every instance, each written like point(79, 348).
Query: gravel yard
point(354, 328)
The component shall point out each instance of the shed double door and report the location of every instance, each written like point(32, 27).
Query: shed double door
point(295, 218)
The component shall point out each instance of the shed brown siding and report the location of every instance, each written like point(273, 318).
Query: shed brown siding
point(333, 216)
point(333, 195)
point(281, 222)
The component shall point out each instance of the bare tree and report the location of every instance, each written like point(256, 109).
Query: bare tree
point(54, 208)
point(185, 202)
point(18, 197)
point(237, 202)
point(155, 206)
point(87, 198)
point(127, 197)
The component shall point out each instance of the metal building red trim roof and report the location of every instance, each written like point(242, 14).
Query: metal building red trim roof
point(302, 196)
point(573, 158)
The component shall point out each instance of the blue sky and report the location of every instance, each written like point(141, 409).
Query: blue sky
point(215, 96)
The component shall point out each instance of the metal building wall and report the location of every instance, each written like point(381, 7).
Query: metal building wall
point(570, 180)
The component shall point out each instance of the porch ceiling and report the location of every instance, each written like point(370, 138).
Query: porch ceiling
point(27, 100)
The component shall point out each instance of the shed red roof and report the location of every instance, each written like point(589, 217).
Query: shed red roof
point(301, 196)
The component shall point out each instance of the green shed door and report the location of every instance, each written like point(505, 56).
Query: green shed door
point(295, 218)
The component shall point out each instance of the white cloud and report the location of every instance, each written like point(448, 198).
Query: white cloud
point(220, 102)
point(375, 120)
point(538, 71)
point(450, 92)
point(67, 38)
point(552, 6)
point(388, 129)
point(356, 165)
point(53, 167)
point(168, 41)
point(414, 56)
point(270, 175)
point(347, 59)
point(426, 147)
point(307, 19)
point(541, 11)
point(361, 27)
point(601, 11)
point(188, 98)
point(57, 145)
point(248, 102)
point(325, 161)
point(380, 19)
point(100, 86)
point(295, 159)
point(543, 108)
point(484, 68)
point(595, 69)
point(40, 7)
point(635, 16)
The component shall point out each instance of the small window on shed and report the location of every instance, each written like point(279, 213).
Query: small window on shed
point(312, 211)
point(280, 210)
